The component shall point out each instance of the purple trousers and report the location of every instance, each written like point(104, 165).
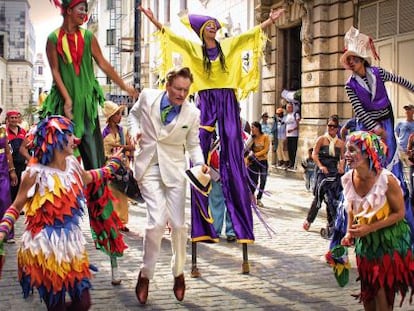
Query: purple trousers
point(221, 106)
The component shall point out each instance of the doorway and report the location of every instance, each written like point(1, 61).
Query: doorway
point(292, 56)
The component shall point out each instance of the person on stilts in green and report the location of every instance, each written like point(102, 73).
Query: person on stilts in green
point(76, 94)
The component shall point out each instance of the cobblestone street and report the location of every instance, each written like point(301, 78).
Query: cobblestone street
point(287, 271)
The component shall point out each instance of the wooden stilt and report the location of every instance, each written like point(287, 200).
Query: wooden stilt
point(245, 265)
point(194, 270)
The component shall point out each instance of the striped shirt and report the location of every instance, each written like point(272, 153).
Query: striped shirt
point(370, 118)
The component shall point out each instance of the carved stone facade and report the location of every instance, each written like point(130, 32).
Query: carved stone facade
point(322, 26)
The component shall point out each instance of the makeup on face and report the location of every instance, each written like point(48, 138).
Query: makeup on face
point(353, 155)
point(81, 8)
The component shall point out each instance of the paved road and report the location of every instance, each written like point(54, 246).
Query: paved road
point(287, 271)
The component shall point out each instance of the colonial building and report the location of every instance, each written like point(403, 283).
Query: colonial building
point(306, 45)
point(17, 46)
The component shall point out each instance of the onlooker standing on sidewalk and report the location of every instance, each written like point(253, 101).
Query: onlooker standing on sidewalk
point(267, 129)
point(266, 125)
point(16, 135)
point(281, 152)
point(403, 130)
point(258, 164)
point(292, 133)
point(165, 125)
point(115, 136)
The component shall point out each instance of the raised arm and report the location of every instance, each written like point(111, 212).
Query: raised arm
point(273, 16)
point(150, 16)
point(109, 70)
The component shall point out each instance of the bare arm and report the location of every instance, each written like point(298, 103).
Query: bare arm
point(109, 70)
point(396, 202)
point(24, 151)
point(341, 164)
point(12, 169)
point(148, 13)
point(273, 16)
point(88, 177)
point(315, 155)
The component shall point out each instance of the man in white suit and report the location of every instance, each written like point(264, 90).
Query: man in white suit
point(165, 125)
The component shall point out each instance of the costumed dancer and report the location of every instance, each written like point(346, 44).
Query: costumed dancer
point(52, 255)
point(375, 207)
point(224, 73)
point(76, 94)
point(372, 107)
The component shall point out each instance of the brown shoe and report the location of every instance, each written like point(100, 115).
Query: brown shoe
point(179, 287)
point(141, 290)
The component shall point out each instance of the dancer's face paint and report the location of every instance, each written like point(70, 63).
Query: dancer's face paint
point(353, 156)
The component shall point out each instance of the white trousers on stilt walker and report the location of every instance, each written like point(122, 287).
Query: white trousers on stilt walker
point(164, 204)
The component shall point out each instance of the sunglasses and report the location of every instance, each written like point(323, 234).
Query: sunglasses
point(332, 126)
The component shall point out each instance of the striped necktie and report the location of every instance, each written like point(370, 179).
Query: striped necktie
point(165, 112)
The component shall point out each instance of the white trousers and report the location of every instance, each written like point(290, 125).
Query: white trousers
point(164, 204)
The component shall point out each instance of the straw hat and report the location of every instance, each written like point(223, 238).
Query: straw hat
point(110, 109)
point(358, 44)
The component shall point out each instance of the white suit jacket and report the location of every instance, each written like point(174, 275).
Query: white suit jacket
point(170, 145)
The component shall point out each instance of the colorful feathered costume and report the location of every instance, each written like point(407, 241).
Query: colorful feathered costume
point(52, 256)
point(384, 257)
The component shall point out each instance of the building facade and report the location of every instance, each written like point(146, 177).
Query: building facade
point(17, 48)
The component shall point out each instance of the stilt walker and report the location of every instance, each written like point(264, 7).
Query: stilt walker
point(77, 94)
point(224, 73)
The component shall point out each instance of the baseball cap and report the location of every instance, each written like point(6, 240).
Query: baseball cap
point(409, 107)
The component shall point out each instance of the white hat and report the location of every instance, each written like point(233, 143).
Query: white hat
point(199, 179)
point(358, 44)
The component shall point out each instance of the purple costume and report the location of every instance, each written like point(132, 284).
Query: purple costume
point(5, 199)
point(221, 106)
point(376, 106)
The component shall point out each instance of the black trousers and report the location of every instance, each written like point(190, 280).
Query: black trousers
point(258, 170)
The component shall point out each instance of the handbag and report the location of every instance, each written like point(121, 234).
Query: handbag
point(124, 180)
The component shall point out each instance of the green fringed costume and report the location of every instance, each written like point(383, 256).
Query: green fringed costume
point(76, 70)
point(384, 257)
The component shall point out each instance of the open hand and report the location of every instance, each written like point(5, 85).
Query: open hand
point(134, 140)
point(132, 92)
point(118, 153)
point(147, 12)
point(274, 15)
point(359, 230)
